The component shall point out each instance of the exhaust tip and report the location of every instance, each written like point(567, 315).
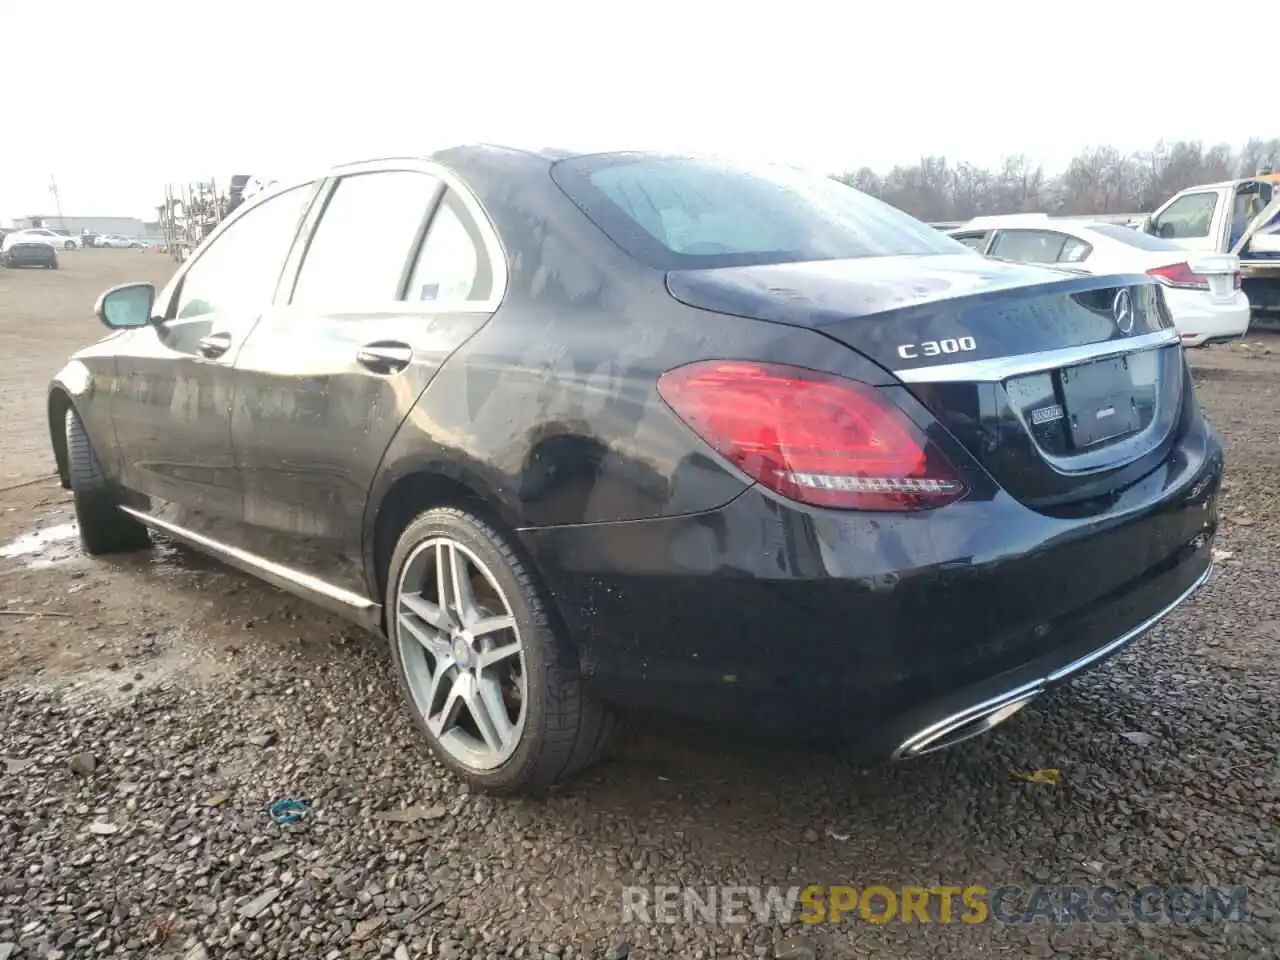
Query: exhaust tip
point(967, 724)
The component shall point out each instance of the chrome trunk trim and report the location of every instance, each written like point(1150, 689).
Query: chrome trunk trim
point(1002, 368)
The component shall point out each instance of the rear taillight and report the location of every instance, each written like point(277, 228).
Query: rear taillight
point(1181, 276)
point(812, 437)
point(1239, 278)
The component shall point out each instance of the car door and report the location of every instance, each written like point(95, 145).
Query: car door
point(400, 269)
point(171, 394)
point(1193, 221)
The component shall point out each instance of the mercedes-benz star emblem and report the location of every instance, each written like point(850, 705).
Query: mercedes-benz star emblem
point(1122, 310)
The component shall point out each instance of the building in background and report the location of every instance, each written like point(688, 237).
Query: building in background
point(119, 226)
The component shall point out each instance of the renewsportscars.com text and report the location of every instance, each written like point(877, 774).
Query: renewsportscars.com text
point(1009, 904)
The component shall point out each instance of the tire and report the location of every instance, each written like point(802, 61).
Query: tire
point(560, 728)
point(103, 528)
point(68, 245)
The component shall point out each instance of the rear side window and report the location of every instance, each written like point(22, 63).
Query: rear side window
point(1029, 246)
point(678, 213)
point(1187, 218)
point(365, 236)
point(1073, 251)
point(451, 266)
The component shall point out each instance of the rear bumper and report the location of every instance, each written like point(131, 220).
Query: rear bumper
point(975, 710)
point(776, 620)
point(1200, 321)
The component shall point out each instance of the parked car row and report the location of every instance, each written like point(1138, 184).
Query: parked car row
point(583, 434)
point(1202, 288)
point(58, 239)
point(39, 246)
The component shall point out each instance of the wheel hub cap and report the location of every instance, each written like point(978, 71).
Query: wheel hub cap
point(462, 650)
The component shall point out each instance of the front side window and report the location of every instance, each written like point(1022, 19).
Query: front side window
point(1187, 218)
point(365, 236)
point(676, 213)
point(241, 268)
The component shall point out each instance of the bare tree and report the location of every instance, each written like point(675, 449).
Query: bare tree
point(1100, 179)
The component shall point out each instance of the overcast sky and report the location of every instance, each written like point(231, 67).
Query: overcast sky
point(116, 98)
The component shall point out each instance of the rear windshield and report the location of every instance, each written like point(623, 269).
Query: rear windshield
point(1134, 238)
point(680, 213)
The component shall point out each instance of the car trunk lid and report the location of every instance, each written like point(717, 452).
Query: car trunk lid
point(1066, 388)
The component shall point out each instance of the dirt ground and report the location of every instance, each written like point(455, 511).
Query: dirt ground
point(146, 658)
point(45, 315)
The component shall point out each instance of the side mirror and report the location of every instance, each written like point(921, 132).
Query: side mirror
point(126, 306)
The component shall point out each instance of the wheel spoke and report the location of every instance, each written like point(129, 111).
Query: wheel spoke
point(443, 668)
point(484, 700)
point(426, 636)
point(444, 721)
point(489, 657)
point(453, 584)
point(487, 625)
point(433, 614)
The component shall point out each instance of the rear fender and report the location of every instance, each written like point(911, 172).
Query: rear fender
point(439, 475)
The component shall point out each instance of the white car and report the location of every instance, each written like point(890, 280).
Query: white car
point(1201, 288)
point(58, 241)
point(114, 241)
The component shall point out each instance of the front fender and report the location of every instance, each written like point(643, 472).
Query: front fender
point(76, 387)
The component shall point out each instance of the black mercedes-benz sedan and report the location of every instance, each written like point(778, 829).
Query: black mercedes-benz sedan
point(587, 434)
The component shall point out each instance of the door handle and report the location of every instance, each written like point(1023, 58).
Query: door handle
point(385, 357)
point(215, 345)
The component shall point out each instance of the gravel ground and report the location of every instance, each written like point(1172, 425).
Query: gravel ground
point(152, 707)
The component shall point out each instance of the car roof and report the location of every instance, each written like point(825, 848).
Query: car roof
point(462, 155)
point(1006, 220)
point(462, 152)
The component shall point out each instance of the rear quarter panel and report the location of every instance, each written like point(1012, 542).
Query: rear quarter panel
point(553, 414)
point(551, 410)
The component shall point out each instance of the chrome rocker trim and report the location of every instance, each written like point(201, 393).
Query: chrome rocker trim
point(334, 599)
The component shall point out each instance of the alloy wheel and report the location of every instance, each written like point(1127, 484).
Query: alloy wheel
point(462, 653)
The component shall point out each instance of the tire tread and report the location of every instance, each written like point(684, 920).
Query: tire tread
point(103, 528)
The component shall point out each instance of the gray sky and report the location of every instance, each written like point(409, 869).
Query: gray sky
point(279, 87)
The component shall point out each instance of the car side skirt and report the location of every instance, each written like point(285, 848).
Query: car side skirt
point(351, 606)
